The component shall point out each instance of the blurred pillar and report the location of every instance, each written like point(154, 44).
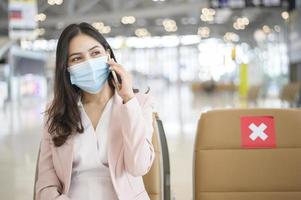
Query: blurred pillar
point(243, 81)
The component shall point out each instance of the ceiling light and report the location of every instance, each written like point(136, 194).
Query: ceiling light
point(170, 25)
point(39, 31)
point(266, 29)
point(205, 11)
point(235, 25)
point(59, 2)
point(285, 15)
point(231, 37)
point(245, 21)
point(40, 17)
point(207, 14)
point(212, 11)
point(171, 28)
point(241, 23)
point(204, 32)
point(128, 20)
point(207, 18)
point(208, 11)
point(142, 32)
point(55, 2)
point(238, 26)
point(51, 2)
point(105, 30)
point(98, 25)
point(203, 18)
point(169, 22)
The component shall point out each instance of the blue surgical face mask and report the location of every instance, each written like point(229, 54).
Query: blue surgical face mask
point(90, 75)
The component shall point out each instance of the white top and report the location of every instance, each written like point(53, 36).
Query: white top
point(91, 178)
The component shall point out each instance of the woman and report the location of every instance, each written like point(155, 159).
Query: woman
point(96, 143)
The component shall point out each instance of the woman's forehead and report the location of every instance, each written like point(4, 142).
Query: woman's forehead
point(83, 43)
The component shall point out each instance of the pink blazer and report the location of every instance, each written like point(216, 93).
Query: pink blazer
point(130, 153)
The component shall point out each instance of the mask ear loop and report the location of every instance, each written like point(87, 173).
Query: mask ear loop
point(115, 82)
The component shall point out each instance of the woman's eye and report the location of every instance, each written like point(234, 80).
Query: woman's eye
point(75, 59)
point(95, 53)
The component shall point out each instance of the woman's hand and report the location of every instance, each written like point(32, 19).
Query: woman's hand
point(126, 90)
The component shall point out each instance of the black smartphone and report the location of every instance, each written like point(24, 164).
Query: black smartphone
point(117, 83)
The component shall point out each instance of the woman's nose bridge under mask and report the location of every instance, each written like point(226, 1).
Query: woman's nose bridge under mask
point(90, 75)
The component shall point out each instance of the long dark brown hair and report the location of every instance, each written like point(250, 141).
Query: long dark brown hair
point(63, 115)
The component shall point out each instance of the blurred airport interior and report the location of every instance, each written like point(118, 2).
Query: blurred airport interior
point(195, 55)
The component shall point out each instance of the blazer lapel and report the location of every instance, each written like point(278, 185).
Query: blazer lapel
point(65, 154)
point(114, 134)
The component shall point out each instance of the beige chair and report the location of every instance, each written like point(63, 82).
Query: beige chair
point(225, 171)
point(290, 93)
point(153, 179)
point(156, 181)
point(253, 93)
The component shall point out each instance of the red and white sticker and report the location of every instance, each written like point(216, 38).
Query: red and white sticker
point(258, 132)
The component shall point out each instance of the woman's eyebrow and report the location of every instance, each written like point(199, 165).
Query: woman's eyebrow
point(74, 54)
point(94, 47)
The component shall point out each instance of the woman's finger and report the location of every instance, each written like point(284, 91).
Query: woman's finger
point(117, 67)
point(112, 62)
point(119, 71)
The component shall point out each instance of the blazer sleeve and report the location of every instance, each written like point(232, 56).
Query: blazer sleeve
point(47, 186)
point(137, 130)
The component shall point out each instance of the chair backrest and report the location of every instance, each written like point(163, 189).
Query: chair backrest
point(224, 170)
point(290, 92)
point(153, 180)
point(157, 180)
point(253, 93)
point(165, 156)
